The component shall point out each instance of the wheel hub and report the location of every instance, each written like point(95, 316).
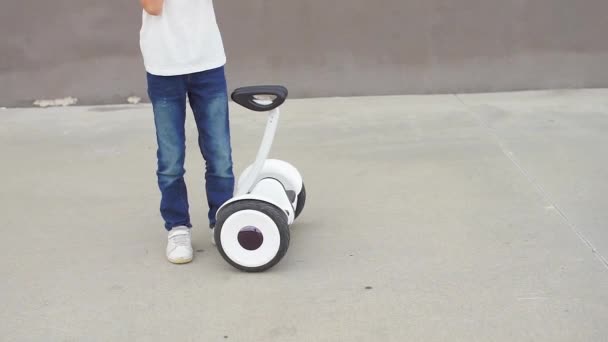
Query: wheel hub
point(250, 238)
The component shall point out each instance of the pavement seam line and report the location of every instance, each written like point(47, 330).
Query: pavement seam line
point(539, 189)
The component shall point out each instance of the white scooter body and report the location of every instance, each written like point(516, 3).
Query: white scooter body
point(273, 172)
point(252, 232)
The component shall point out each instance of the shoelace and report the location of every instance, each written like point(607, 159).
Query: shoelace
point(181, 239)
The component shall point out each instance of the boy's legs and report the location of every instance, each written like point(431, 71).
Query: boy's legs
point(168, 97)
point(208, 97)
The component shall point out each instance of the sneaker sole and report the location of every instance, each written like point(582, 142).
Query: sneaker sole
point(180, 261)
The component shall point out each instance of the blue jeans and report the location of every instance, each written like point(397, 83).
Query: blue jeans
point(207, 93)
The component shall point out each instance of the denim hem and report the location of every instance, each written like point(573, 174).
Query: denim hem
point(168, 227)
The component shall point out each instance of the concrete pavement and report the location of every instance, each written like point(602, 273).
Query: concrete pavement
point(475, 217)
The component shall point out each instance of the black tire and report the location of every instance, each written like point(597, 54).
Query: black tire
point(301, 201)
point(276, 214)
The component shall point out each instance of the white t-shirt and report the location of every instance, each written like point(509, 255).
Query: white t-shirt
point(184, 39)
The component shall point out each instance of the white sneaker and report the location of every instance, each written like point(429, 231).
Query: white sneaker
point(179, 247)
point(213, 236)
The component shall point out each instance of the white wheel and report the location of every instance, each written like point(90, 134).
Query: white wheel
point(252, 235)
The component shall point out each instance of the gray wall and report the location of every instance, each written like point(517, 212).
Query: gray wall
point(89, 49)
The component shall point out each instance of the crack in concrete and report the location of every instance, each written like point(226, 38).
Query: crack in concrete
point(539, 189)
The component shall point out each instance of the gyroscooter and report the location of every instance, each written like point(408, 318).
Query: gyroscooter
point(252, 228)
